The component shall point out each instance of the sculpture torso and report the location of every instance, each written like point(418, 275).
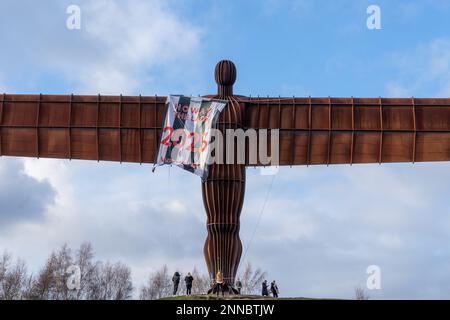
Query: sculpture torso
point(223, 192)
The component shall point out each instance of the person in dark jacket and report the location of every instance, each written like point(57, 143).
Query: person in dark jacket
point(176, 281)
point(188, 279)
point(274, 289)
point(239, 285)
point(265, 292)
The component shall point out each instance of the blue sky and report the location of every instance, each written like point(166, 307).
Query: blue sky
point(323, 226)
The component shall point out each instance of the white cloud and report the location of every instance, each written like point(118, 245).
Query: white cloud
point(397, 91)
point(3, 88)
point(24, 200)
point(126, 211)
point(426, 69)
point(122, 46)
point(324, 226)
point(131, 39)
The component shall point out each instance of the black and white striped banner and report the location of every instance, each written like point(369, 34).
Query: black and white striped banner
point(186, 133)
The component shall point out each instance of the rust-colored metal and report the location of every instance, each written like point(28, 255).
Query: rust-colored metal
point(223, 192)
point(292, 134)
point(308, 153)
point(330, 110)
point(1, 120)
point(313, 131)
point(380, 157)
point(100, 128)
point(415, 130)
point(225, 75)
point(140, 128)
point(352, 146)
point(97, 145)
point(38, 112)
point(363, 130)
point(69, 129)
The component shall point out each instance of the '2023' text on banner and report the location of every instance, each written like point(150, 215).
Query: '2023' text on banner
point(186, 133)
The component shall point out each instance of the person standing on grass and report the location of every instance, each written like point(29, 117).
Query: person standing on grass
point(176, 281)
point(265, 292)
point(188, 279)
point(274, 289)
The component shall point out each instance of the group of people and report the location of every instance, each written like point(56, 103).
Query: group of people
point(188, 281)
point(220, 285)
point(273, 289)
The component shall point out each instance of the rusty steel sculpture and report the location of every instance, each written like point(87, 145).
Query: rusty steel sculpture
point(312, 131)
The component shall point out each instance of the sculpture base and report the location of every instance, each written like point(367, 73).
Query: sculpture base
point(224, 289)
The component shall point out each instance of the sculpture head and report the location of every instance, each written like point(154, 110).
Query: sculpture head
point(225, 75)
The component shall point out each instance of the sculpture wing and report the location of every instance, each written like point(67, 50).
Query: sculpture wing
point(312, 130)
point(110, 128)
point(354, 130)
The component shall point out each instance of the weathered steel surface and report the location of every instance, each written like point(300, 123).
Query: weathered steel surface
point(110, 128)
point(223, 192)
point(355, 130)
point(312, 131)
point(223, 197)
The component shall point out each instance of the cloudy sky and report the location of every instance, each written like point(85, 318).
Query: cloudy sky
point(322, 226)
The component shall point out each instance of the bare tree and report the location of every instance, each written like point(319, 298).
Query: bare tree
point(123, 286)
point(99, 281)
point(5, 261)
point(12, 278)
point(111, 282)
point(201, 283)
point(51, 281)
point(159, 285)
point(360, 293)
point(61, 265)
point(40, 286)
point(88, 269)
point(252, 280)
